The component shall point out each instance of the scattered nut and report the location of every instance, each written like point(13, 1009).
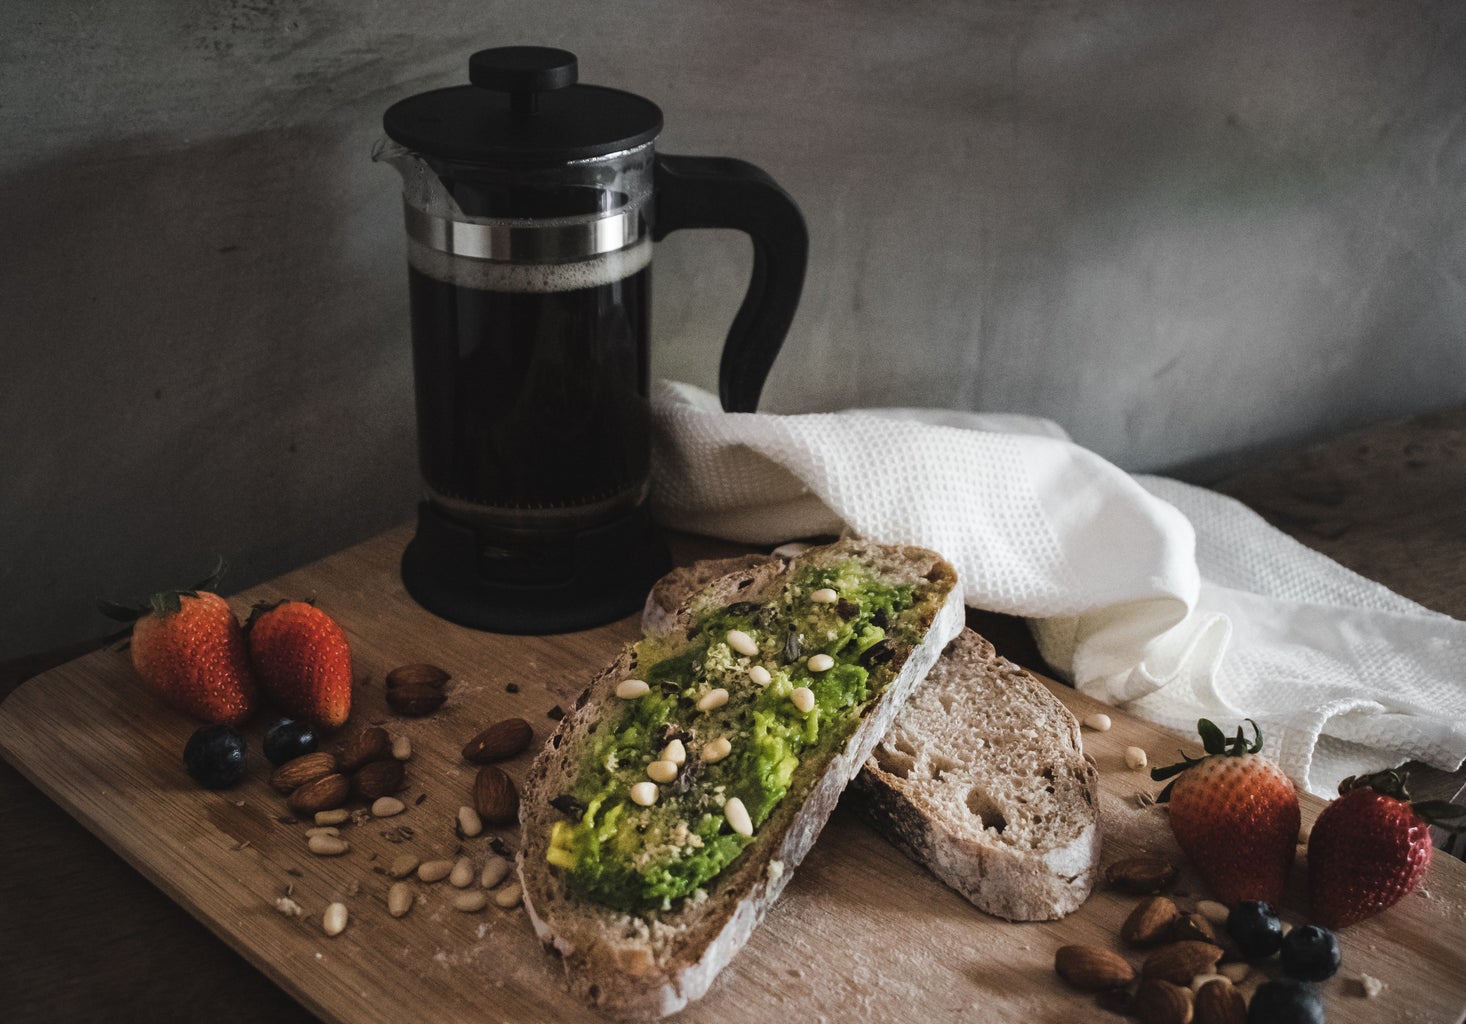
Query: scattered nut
point(715, 751)
point(1179, 962)
point(496, 869)
point(415, 701)
point(301, 771)
point(470, 902)
point(1140, 876)
point(1099, 722)
point(387, 806)
point(327, 846)
point(1213, 911)
point(820, 663)
point(1218, 1002)
point(509, 896)
point(742, 643)
point(1150, 922)
point(629, 689)
point(402, 865)
point(324, 794)
point(371, 744)
point(333, 922)
point(662, 771)
point(288, 907)
point(1202, 980)
point(713, 699)
point(401, 748)
point(399, 899)
point(469, 822)
point(379, 778)
point(338, 816)
point(494, 796)
point(434, 870)
point(1135, 758)
point(498, 742)
point(1160, 1002)
point(322, 830)
point(1092, 968)
point(1372, 986)
point(1192, 926)
point(1236, 972)
point(461, 875)
point(419, 674)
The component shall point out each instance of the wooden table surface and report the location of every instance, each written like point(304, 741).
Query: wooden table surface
point(85, 937)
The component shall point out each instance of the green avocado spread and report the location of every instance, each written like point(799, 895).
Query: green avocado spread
point(653, 812)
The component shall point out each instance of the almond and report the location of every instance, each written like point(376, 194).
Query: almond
point(415, 700)
point(371, 744)
point(1179, 962)
point(296, 772)
point(1140, 876)
point(1150, 922)
point(320, 795)
point(499, 741)
point(1160, 1002)
point(378, 778)
point(494, 796)
point(1192, 926)
point(1092, 968)
point(1219, 1002)
point(420, 674)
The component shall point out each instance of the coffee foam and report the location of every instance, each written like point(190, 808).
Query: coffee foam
point(493, 276)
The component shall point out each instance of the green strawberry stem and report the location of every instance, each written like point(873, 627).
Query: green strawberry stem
point(1393, 783)
point(1215, 743)
point(164, 601)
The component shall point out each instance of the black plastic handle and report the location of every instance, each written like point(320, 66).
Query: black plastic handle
point(716, 192)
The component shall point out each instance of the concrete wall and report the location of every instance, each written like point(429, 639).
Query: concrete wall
point(1187, 230)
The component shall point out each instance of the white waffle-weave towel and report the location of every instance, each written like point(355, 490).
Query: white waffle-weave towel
point(1169, 600)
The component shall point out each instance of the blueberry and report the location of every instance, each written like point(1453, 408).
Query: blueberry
point(1255, 927)
point(215, 757)
point(1310, 953)
point(288, 739)
point(1285, 1001)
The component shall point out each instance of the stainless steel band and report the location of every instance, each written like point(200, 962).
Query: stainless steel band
point(547, 243)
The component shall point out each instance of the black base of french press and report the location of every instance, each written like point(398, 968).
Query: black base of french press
point(532, 582)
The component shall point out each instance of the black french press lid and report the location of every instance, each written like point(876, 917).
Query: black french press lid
point(523, 107)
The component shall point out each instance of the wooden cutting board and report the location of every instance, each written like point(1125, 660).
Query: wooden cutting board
point(861, 933)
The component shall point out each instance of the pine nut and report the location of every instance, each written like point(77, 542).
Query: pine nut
point(715, 751)
point(1202, 979)
point(821, 662)
point(434, 870)
point(1236, 972)
point(675, 752)
point(399, 899)
point(509, 896)
point(713, 699)
point(387, 806)
point(335, 816)
point(742, 643)
point(401, 748)
point(737, 816)
point(824, 595)
point(470, 902)
point(496, 869)
point(803, 698)
point(793, 549)
point(333, 922)
point(661, 771)
point(328, 846)
point(322, 830)
point(630, 689)
point(461, 876)
point(1213, 911)
point(1099, 722)
point(760, 675)
point(402, 865)
point(1135, 758)
point(469, 822)
point(644, 793)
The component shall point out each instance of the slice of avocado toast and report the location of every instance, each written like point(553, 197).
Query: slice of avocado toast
point(671, 806)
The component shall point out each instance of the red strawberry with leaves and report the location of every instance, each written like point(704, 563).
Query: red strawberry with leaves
point(1371, 847)
point(1235, 816)
point(302, 660)
point(190, 650)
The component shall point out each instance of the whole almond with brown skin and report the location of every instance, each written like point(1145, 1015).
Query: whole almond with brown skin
point(494, 796)
point(296, 772)
point(1140, 876)
point(1219, 1002)
point(415, 700)
point(417, 675)
point(1179, 962)
point(1092, 968)
point(1150, 922)
point(1190, 925)
point(499, 741)
point(378, 778)
point(321, 795)
point(371, 744)
point(1160, 1002)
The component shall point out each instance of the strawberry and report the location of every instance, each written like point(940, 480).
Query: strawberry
point(1235, 816)
point(1371, 847)
point(190, 650)
point(302, 660)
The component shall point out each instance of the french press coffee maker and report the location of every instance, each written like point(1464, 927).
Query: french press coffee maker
point(531, 206)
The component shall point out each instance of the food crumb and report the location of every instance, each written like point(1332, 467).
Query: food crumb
point(1372, 986)
point(288, 907)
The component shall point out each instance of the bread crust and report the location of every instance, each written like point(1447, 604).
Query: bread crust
point(636, 967)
